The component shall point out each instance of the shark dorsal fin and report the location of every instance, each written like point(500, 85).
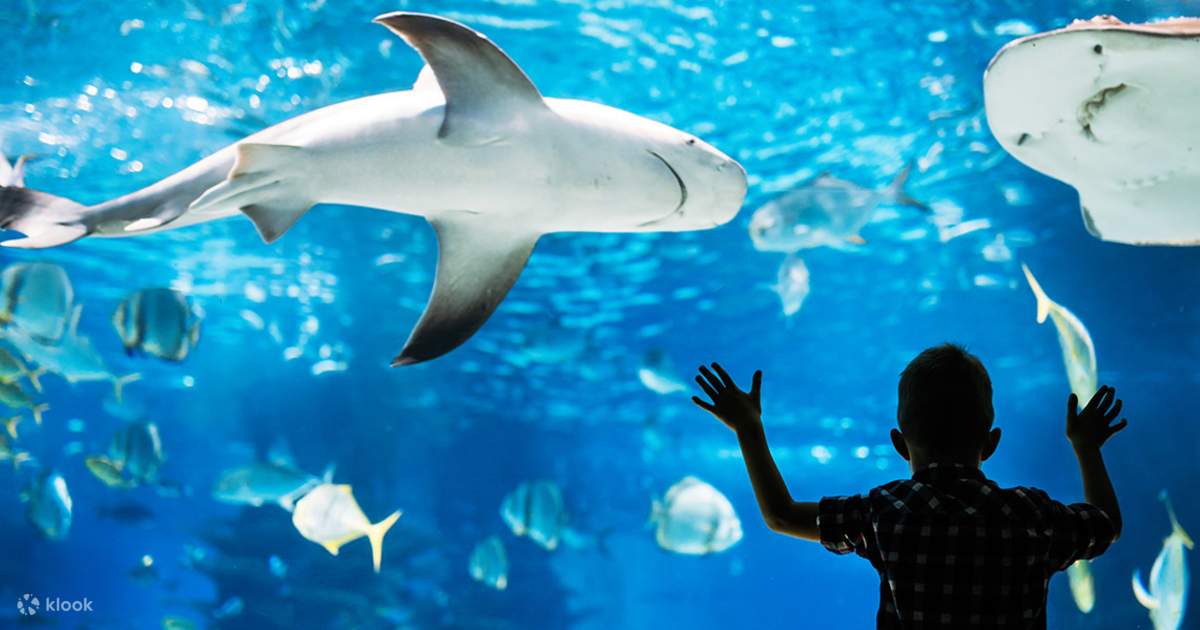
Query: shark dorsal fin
point(486, 93)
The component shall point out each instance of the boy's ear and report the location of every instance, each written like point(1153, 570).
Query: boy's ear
point(899, 444)
point(989, 446)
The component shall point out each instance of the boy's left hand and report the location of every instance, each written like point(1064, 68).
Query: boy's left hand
point(737, 409)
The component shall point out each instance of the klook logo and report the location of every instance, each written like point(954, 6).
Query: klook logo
point(29, 605)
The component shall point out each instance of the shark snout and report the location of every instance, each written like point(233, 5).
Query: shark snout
point(729, 191)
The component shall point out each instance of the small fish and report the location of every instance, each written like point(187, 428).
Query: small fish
point(535, 509)
point(658, 373)
point(13, 369)
point(137, 448)
point(8, 453)
point(48, 505)
point(489, 563)
point(14, 397)
point(826, 211)
point(330, 517)
point(172, 622)
point(73, 357)
point(11, 424)
point(231, 608)
point(792, 284)
point(258, 484)
point(1166, 597)
point(128, 512)
point(37, 298)
point(107, 471)
point(1083, 585)
point(1079, 355)
point(157, 322)
point(694, 518)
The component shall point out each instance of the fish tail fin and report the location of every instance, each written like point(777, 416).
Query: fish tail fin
point(37, 412)
point(1043, 300)
point(897, 194)
point(656, 508)
point(20, 458)
point(44, 219)
point(1141, 593)
point(10, 425)
point(327, 476)
point(33, 375)
point(1176, 528)
point(194, 335)
point(120, 382)
point(375, 534)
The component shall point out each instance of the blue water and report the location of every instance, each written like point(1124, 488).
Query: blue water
point(114, 97)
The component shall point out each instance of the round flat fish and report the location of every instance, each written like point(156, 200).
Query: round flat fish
point(38, 298)
point(158, 322)
point(489, 563)
point(49, 506)
point(535, 509)
point(1108, 108)
point(694, 518)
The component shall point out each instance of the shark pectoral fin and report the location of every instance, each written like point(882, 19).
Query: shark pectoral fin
point(267, 183)
point(479, 259)
point(486, 93)
point(1141, 594)
point(273, 219)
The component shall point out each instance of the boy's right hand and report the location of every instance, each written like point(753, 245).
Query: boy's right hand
point(1090, 428)
point(737, 409)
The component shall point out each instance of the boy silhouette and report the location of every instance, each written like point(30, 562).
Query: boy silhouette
point(952, 548)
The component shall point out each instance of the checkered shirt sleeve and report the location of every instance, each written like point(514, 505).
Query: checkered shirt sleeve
point(1079, 531)
point(844, 523)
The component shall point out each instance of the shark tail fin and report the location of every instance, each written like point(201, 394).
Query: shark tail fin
point(1176, 528)
point(120, 382)
point(44, 219)
point(897, 194)
point(1141, 593)
point(375, 534)
point(1043, 300)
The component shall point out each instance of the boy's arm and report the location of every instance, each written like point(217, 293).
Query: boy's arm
point(742, 412)
point(1088, 430)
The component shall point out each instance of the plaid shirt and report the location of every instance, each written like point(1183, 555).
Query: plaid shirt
point(954, 550)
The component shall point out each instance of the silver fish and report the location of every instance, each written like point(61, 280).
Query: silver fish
point(330, 517)
point(48, 505)
point(657, 372)
point(158, 322)
point(489, 563)
point(1167, 594)
point(826, 211)
point(13, 369)
point(38, 298)
point(259, 484)
point(792, 284)
point(535, 509)
point(694, 518)
point(73, 357)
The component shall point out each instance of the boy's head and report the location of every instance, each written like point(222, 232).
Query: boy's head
point(945, 411)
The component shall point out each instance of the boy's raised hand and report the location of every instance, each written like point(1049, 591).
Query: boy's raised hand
point(737, 409)
point(1091, 427)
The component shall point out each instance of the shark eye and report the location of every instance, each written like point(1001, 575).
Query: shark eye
point(691, 141)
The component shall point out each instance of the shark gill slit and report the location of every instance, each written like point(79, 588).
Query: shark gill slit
point(683, 191)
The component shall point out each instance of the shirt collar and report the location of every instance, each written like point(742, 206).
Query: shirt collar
point(941, 472)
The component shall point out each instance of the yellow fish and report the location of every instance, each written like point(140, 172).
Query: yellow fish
point(329, 516)
point(1083, 585)
point(1079, 355)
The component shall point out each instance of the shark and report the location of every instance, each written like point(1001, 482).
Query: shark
point(1108, 108)
point(473, 147)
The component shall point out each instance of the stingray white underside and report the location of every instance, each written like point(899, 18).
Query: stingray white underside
point(1113, 110)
